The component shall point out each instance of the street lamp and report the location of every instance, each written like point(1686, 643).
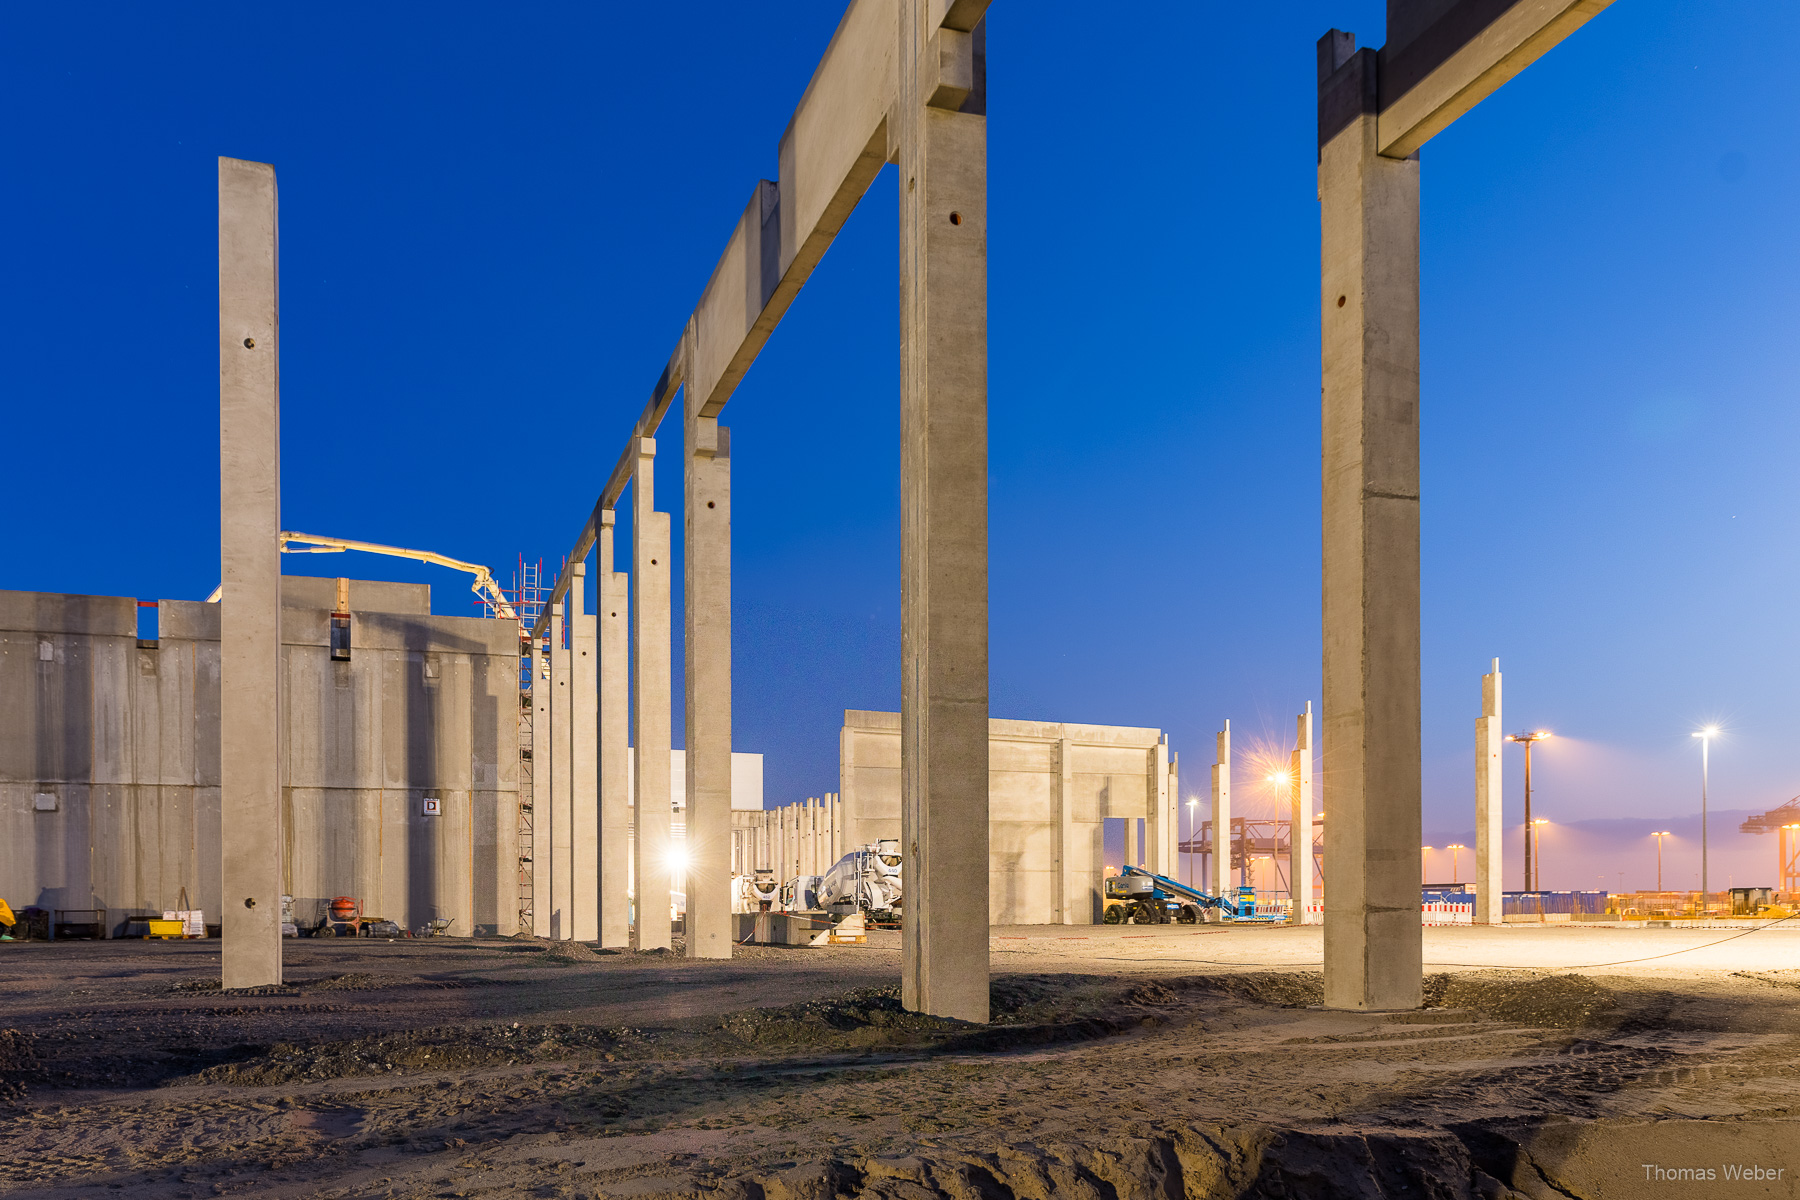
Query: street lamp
point(1659, 835)
point(1455, 871)
point(1527, 739)
point(1706, 736)
point(1538, 859)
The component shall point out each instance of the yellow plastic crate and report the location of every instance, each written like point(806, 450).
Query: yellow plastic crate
point(163, 929)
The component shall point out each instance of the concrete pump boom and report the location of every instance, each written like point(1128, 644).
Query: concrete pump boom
point(484, 585)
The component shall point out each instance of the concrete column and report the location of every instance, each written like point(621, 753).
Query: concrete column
point(1300, 818)
point(541, 774)
point(614, 647)
point(250, 686)
point(941, 126)
point(651, 715)
point(1068, 889)
point(1158, 833)
point(562, 792)
point(847, 787)
point(1369, 271)
point(1218, 871)
point(1134, 855)
point(707, 596)
point(1489, 890)
point(584, 764)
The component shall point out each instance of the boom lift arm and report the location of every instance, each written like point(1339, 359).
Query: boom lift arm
point(484, 585)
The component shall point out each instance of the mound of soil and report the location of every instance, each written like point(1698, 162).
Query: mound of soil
point(18, 1063)
point(1296, 989)
point(857, 1018)
point(424, 1050)
point(1525, 998)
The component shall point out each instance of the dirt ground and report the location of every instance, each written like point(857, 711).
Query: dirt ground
point(1121, 1063)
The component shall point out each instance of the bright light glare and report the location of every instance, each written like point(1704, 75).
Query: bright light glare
point(678, 860)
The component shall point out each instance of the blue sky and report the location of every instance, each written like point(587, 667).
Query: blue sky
point(493, 227)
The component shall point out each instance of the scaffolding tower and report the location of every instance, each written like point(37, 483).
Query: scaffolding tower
point(527, 597)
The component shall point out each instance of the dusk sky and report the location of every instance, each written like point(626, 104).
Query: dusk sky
point(494, 224)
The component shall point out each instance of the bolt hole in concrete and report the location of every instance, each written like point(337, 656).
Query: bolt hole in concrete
point(709, 504)
point(956, 218)
point(653, 562)
point(1341, 300)
point(249, 902)
point(249, 343)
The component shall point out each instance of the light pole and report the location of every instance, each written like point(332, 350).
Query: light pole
point(1455, 871)
point(1423, 852)
point(1537, 864)
point(1706, 736)
point(1527, 739)
point(1659, 835)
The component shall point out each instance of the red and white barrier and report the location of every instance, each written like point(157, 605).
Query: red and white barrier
point(1446, 914)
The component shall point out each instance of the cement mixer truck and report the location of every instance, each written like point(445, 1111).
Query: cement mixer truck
point(866, 880)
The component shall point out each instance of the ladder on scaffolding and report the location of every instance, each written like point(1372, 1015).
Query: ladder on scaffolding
point(527, 595)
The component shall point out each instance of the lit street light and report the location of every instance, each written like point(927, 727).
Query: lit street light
point(1527, 739)
point(1706, 736)
point(1455, 871)
point(1659, 835)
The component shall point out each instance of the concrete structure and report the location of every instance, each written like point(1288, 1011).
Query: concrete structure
point(1052, 788)
point(122, 740)
point(584, 767)
point(906, 83)
point(1218, 874)
point(250, 572)
point(650, 712)
point(1300, 818)
point(1375, 111)
point(542, 763)
point(615, 744)
point(1489, 741)
point(557, 814)
point(707, 588)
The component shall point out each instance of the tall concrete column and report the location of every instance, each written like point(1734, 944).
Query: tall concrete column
point(1134, 853)
point(1218, 870)
point(584, 764)
point(614, 647)
point(941, 126)
point(1369, 271)
point(1300, 818)
point(541, 774)
point(250, 571)
point(562, 792)
point(651, 715)
point(707, 594)
point(1489, 891)
point(1068, 889)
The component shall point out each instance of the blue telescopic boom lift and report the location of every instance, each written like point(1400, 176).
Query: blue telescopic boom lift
point(1151, 899)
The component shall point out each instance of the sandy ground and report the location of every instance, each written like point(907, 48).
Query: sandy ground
point(1122, 1062)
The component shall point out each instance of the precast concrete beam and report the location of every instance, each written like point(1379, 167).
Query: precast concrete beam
point(1489, 741)
point(707, 598)
point(942, 154)
point(614, 646)
point(1369, 267)
point(1442, 59)
point(562, 780)
point(651, 715)
point(541, 774)
point(584, 765)
point(250, 573)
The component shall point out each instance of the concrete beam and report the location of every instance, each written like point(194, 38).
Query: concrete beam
point(1489, 741)
point(541, 774)
point(943, 532)
point(615, 741)
point(561, 789)
point(250, 571)
point(1443, 57)
point(651, 717)
point(1369, 272)
point(707, 597)
point(584, 765)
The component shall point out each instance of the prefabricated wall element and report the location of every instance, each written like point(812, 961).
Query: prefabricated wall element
point(127, 735)
point(1488, 795)
point(1051, 787)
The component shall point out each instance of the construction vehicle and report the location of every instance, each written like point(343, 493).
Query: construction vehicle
point(1140, 897)
point(866, 880)
point(756, 893)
